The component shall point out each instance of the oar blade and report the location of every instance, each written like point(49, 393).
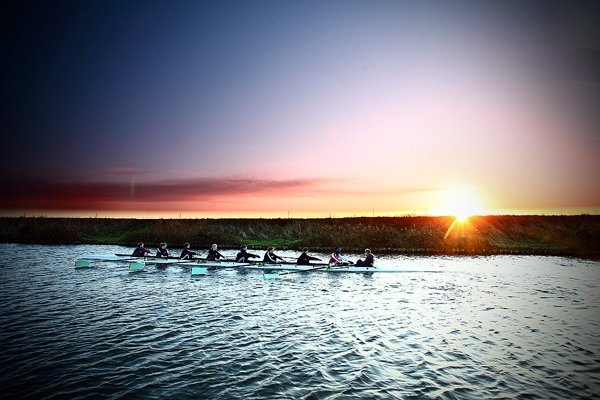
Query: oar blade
point(198, 271)
point(83, 264)
point(101, 257)
point(135, 266)
point(277, 275)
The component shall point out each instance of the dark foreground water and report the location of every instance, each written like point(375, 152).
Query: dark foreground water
point(464, 327)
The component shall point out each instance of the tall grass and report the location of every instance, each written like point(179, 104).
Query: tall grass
point(561, 235)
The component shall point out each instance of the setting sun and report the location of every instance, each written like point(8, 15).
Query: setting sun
point(460, 202)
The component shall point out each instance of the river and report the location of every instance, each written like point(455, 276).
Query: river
point(452, 328)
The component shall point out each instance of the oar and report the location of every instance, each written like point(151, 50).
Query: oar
point(196, 271)
point(139, 263)
point(200, 258)
point(289, 263)
point(85, 263)
point(205, 261)
point(160, 257)
point(275, 275)
point(221, 260)
point(145, 256)
point(232, 266)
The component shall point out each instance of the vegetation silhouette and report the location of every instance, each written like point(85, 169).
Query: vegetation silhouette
point(577, 235)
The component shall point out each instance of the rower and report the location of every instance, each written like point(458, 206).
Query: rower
point(213, 253)
point(186, 254)
point(162, 250)
point(270, 257)
point(368, 261)
point(337, 258)
point(140, 250)
point(244, 256)
point(305, 259)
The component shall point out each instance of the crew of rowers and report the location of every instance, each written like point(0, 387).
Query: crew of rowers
point(336, 258)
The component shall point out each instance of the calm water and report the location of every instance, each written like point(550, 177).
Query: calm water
point(480, 327)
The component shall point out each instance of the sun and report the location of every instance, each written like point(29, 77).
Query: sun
point(460, 202)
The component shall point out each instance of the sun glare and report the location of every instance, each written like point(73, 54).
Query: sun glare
point(460, 203)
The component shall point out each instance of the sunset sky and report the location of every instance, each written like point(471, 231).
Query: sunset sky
point(299, 108)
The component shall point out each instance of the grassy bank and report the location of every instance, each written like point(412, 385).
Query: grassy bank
point(554, 235)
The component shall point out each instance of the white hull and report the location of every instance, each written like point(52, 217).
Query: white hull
point(140, 261)
point(154, 260)
point(317, 268)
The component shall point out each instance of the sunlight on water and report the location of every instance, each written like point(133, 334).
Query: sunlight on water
point(454, 327)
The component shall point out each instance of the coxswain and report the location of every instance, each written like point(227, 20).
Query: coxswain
point(368, 261)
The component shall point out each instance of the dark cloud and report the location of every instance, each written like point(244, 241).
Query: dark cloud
point(57, 194)
point(53, 193)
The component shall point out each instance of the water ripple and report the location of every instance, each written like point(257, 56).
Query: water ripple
point(483, 327)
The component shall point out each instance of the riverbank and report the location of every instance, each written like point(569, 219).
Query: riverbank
point(577, 235)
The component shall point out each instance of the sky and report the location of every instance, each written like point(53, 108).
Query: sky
point(299, 108)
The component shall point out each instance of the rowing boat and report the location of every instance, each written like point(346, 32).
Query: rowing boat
point(138, 263)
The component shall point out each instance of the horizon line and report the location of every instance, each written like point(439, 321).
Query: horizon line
point(503, 213)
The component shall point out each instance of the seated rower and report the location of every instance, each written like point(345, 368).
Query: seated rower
point(186, 254)
point(270, 257)
point(337, 258)
point(162, 250)
point(213, 254)
point(244, 256)
point(368, 261)
point(305, 259)
point(140, 250)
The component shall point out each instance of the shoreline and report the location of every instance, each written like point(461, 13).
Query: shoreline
point(562, 235)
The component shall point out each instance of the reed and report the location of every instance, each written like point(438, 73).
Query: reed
point(553, 235)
